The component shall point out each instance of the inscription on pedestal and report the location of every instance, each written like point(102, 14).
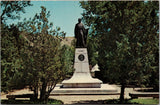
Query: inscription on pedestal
point(80, 50)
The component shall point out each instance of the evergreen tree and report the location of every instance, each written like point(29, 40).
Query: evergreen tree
point(32, 55)
point(127, 33)
point(10, 58)
point(11, 44)
point(47, 62)
point(12, 9)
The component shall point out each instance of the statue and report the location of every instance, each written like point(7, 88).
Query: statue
point(81, 35)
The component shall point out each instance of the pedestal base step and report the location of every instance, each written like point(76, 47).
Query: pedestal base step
point(105, 89)
point(82, 80)
point(81, 85)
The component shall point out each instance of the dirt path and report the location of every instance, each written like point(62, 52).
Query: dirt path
point(74, 99)
point(90, 99)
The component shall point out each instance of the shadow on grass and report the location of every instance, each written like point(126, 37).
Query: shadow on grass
point(50, 101)
point(147, 90)
point(113, 101)
point(117, 101)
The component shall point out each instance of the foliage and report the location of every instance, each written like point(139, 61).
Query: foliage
point(127, 34)
point(32, 55)
point(12, 9)
point(44, 58)
point(11, 62)
point(92, 50)
point(11, 44)
point(67, 57)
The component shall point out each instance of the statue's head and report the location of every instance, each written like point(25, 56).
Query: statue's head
point(79, 20)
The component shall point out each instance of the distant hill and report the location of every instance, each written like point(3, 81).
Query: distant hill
point(67, 41)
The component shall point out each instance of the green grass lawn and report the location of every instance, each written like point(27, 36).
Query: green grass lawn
point(145, 101)
point(133, 101)
point(50, 101)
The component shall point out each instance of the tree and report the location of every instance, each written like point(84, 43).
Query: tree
point(10, 58)
point(67, 59)
point(32, 55)
point(127, 34)
point(45, 50)
point(11, 44)
point(12, 9)
point(92, 50)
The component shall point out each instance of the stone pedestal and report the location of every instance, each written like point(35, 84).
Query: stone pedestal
point(81, 82)
point(81, 77)
point(105, 89)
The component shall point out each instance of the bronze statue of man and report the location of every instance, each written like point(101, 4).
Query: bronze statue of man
point(80, 34)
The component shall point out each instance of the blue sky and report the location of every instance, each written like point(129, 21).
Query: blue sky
point(64, 14)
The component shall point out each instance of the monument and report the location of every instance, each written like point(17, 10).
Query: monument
point(82, 82)
point(81, 77)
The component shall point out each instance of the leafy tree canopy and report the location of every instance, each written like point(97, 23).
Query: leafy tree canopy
point(32, 55)
point(127, 34)
point(12, 9)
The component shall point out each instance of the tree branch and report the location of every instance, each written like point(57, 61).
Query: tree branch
point(4, 11)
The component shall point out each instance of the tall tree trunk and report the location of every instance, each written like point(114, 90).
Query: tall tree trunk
point(122, 93)
point(43, 90)
point(35, 93)
point(44, 83)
